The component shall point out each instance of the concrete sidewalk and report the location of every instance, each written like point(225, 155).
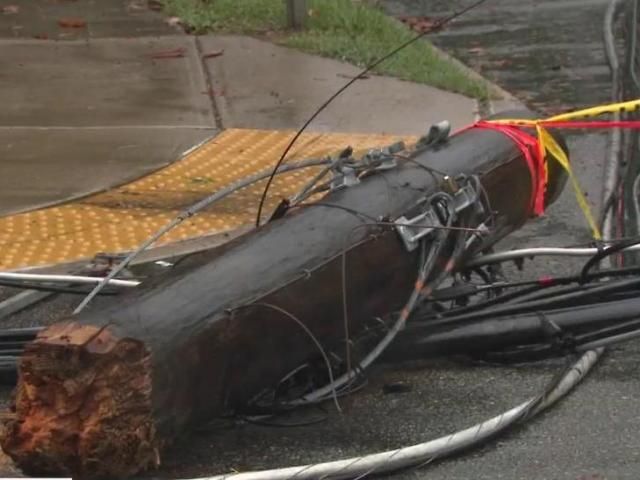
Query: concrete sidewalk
point(89, 108)
point(260, 85)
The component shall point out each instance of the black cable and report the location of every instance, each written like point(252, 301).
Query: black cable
point(519, 355)
point(265, 423)
point(570, 299)
point(558, 292)
point(598, 257)
point(537, 352)
point(436, 26)
point(489, 302)
point(608, 331)
point(18, 333)
point(486, 278)
point(533, 286)
point(557, 281)
point(608, 204)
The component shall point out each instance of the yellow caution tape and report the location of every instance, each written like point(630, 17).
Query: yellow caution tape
point(548, 144)
point(629, 106)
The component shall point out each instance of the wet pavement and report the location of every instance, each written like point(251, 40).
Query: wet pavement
point(86, 103)
point(120, 94)
point(548, 53)
point(81, 20)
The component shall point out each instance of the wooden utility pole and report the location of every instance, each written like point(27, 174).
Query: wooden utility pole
point(296, 13)
point(103, 393)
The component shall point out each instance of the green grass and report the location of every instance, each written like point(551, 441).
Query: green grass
point(241, 16)
point(348, 30)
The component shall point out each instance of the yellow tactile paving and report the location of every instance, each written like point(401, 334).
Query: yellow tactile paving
point(124, 217)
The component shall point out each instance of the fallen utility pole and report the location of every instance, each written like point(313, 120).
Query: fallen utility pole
point(102, 393)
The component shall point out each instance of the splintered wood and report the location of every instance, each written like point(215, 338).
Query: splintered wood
point(83, 405)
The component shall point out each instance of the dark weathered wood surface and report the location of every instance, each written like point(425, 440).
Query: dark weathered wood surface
point(102, 393)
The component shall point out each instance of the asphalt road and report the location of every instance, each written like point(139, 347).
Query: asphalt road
point(546, 52)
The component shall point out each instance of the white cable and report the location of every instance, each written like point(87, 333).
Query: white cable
point(48, 278)
point(413, 455)
point(539, 252)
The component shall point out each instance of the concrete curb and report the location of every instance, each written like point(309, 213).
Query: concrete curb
point(507, 101)
point(493, 87)
point(218, 105)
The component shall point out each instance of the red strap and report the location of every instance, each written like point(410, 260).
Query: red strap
point(530, 148)
point(590, 124)
point(534, 154)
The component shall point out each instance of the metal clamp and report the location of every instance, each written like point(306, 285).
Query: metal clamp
point(343, 177)
point(438, 133)
point(384, 158)
point(464, 198)
point(346, 171)
point(412, 230)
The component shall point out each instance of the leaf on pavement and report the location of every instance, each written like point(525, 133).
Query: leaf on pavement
point(419, 24)
point(214, 93)
point(174, 53)
point(72, 22)
point(173, 21)
point(10, 9)
point(213, 54)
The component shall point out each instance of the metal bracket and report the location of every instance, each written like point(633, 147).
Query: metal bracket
point(438, 133)
point(346, 170)
point(343, 177)
point(464, 198)
point(384, 158)
point(412, 230)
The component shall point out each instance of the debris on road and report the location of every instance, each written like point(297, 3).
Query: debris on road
point(214, 54)
point(72, 22)
point(213, 92)
point(173, 53)
point(419, 24)
point(10, 9)
point(173, 21)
